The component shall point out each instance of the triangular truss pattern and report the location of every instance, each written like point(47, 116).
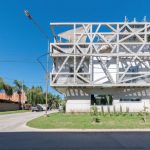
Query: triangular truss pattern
point(96, 54)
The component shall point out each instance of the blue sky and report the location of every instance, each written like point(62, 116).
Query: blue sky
point(20, 40)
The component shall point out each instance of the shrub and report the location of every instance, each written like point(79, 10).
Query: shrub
point(94, 110)
point(96, 119)
point(108, 109)
point(102, 109)
point(64, 108)
point(140, 114)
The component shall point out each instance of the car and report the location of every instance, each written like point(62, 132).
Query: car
point(34, 108)
point(43, 106)
point(39, 107)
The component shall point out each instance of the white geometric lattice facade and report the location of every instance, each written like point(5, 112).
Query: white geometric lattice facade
point(101, 55)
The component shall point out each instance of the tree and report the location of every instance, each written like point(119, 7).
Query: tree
point(6, 87)
point(35, 95)
point(1, 83)
point(18, 88)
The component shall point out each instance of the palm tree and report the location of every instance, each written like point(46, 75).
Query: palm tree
point(35, 95)
point(1, 83)
point(18, 89)
point(6, 87)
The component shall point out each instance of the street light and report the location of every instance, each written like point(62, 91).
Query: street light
point(28, 15)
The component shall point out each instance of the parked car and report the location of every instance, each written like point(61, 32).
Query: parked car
point(39, 107)
point(34, 108)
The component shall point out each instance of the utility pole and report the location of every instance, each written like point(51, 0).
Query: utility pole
point(22, 94)
point(27, 14)
point(47, 79)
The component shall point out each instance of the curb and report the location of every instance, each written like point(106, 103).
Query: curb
point(85, 130)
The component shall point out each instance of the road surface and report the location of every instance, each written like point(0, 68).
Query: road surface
point(74, 141)
point(16, 122)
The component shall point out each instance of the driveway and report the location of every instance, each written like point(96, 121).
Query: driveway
point(16, 122)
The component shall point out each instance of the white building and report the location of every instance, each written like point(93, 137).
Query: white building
point(94, 60)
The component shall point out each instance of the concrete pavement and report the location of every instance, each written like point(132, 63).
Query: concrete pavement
point(17, 122)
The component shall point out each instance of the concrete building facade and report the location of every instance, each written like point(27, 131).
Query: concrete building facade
point(106, 63)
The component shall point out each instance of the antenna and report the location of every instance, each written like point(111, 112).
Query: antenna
point(145, 19)
point(125, 19)
point(134, 20)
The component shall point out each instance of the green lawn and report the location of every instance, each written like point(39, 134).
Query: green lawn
point(12, 112)
point(85, 121)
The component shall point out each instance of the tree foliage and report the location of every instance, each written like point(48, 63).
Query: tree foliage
point(6, 87)
point(35, 94)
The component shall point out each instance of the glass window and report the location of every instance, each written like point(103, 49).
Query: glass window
point(101, 99)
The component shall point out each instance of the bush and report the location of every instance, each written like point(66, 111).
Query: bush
point(64, 108)
point(97, 119)
point(94, 110)
point(102, 109)
point(108, 109)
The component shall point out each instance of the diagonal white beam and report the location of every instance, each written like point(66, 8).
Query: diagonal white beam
point(144, 75)
point(80, 63)
point(83, 78)
point(108, 75)
point(109, 26)
point(61, 68)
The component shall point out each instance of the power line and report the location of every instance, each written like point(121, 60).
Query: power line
point(19, 61)
point(11, 79)
point(16, 61)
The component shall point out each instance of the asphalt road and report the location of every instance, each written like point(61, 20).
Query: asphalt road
point(14, 135)
point(74, 141)
point(16, 122)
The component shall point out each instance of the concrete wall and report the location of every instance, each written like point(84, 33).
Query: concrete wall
point(78, 106)
point(126, 106)
point(117, 106)
point(77, 100)
point(8, 106)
